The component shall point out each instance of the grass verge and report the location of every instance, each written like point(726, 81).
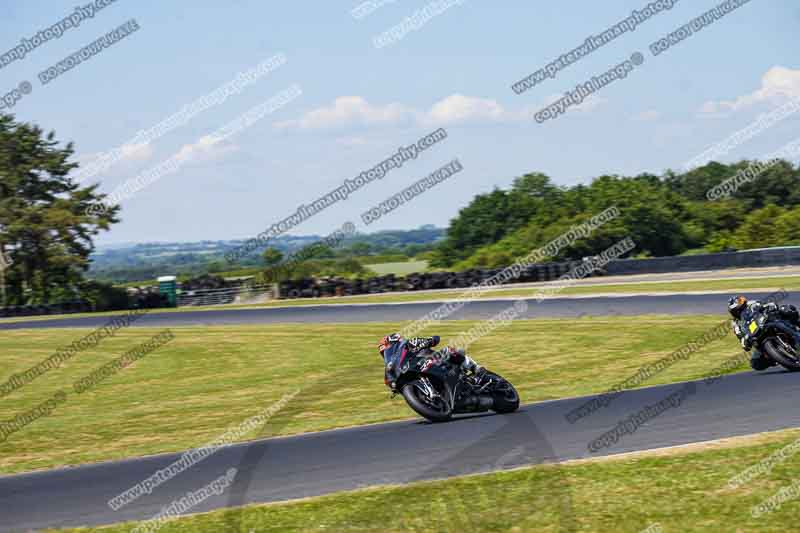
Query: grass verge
point(398, 269)
point(680, 489)
point(192, 389)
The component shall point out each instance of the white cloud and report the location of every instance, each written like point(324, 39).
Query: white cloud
point(777, 84)
point(459, 108)
point(647, 116)
point(351, 142)
point(137, 152)
point(85, 159)
point(206, 148)
point(454, 109)
point(349, 111)
point(128, 152)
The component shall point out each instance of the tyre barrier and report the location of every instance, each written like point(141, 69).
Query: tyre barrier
point(142, 300)
point(314, 288)
point(61, 308)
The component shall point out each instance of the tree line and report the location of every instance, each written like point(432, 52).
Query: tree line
point(665, 215)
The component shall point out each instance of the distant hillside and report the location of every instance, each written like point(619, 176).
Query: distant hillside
point(123, 263)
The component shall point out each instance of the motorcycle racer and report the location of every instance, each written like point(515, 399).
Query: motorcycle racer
point(742, 312)
point(393, 347)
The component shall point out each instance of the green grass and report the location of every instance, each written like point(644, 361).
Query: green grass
point(142, 283)
point(787, 282)
point(210, 378)
point(734, 286)
point(399, 269)
point(682, 490)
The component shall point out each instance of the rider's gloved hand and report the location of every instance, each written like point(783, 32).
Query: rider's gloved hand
point(453, 355)
point(746, 343)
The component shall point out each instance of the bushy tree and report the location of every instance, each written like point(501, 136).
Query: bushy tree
point(47, 221)
point(788, 227)
point(272, 257)
point(766, 227)
point(492, 216)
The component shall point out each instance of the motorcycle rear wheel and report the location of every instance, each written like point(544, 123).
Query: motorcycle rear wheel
point(786, 357)
point(435, 409)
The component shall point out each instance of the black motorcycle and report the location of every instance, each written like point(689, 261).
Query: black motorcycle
point(779, 339)
point(437, 389)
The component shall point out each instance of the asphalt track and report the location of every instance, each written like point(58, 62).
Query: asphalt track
point(318, 463)
point(667, 304)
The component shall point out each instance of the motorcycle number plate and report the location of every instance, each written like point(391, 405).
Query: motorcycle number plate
point(753, 326)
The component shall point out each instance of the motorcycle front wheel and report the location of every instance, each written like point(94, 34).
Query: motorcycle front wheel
point(506, 399)
point(428, 398)
point(781, 349)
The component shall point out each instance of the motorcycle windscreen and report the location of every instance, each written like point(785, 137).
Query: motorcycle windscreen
point(392, 354)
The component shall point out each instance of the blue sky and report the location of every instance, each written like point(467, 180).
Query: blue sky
point(359, 102)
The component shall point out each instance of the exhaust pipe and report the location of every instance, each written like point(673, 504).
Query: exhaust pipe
point(482, 402)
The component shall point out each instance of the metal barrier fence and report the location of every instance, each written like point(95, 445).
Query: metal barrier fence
point(758, 258)
point(231, 295)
